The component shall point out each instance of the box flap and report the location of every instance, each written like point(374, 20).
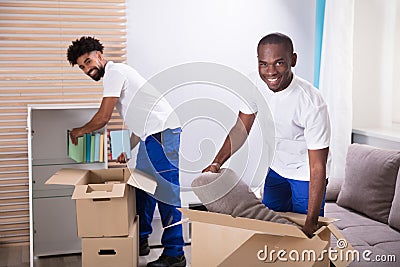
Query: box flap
point(96, 191)
point(345, 247)
point(112, 174)
point(301, 218)
point(142, 181)
point(68, 176)
point(243, 223)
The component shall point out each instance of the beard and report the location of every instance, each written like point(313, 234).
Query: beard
point(99, 74)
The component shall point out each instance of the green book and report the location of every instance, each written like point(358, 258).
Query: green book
point(92, 146)
point(75, 152)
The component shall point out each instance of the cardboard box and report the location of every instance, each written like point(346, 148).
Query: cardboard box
point(112, 251)
point(222, 240)
point(105, 199)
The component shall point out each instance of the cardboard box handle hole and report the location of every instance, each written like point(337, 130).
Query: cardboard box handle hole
point(101, 199)
point(107, 252)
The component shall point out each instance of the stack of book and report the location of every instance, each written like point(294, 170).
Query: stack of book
point(90, 147)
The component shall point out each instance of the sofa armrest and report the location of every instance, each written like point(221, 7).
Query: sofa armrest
point(333, 188)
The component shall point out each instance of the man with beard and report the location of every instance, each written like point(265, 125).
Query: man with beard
point(158, 153)
point(296, 180)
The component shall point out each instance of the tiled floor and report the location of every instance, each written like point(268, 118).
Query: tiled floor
point(19, 257)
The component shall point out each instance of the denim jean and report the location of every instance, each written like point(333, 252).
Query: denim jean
point(283, 194)
point(158, 156)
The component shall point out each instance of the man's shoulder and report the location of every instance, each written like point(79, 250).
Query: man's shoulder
point(308, 91)
point(122, 69)
point(119, 66)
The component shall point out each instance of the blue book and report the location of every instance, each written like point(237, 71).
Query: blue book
point(87, 137)
point(97, 147)
point(84, 149)
point(120, 142)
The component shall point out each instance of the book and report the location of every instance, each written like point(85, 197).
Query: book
point(84, 148)
point(88, 139)
point(92, 148)
point(120, 142)
point(75, 152)
point(96, 147)
point(101, 157)
point(109, 145)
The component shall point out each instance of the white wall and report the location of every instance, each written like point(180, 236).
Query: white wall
point(396, 70)
point(162, 34)
point(376, 79)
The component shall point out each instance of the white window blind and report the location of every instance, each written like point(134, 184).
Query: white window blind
point(34, 37)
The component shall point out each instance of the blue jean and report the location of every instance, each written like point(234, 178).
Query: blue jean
point(283, 194)
point(158, 156)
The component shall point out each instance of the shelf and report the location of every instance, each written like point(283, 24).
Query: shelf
point(390, 134)
point(52, 217)
point(386, 138)
point(64, 161)
point(65, 192)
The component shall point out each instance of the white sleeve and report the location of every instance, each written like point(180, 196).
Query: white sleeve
point(317, 130)
point(249, 104)
point(113, 82)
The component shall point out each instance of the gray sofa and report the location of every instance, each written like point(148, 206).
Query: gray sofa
point(367, 204)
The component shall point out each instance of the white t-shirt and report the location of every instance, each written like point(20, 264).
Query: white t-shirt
point(142, 107)
point(301, 123)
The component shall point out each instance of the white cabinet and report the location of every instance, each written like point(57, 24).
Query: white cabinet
point(53, 219)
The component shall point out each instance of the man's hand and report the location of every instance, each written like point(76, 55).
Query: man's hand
point(214, 167)
point(309, 229)
point(122, 158)
point(75, 133)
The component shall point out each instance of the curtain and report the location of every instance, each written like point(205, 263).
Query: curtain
point(336, 79)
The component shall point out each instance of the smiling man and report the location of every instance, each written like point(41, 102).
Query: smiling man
point(158, 153)
point(296, 180)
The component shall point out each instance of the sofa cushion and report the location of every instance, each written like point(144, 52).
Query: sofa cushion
point(377, 234)
point(348, 218)
point(394, 216)
point(370, 259)
point(370, 178)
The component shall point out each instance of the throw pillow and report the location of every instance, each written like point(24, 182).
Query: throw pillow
point(394, 216)
point(370, 178)
point(225, 193)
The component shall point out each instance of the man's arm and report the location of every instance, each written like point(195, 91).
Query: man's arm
point(99, 120)
point(235, 139)
point(317, 160)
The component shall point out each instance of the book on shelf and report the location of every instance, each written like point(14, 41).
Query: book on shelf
point(120, 142)
point(101, 157)
point(88, 139)
point(90, 148)
point(97, 147)
point(75, 152)
point(109, 145)
point(92, 141)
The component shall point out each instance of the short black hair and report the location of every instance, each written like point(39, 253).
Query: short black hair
point(79, 47)
point(277, 38)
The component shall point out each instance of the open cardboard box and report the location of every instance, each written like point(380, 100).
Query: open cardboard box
point(105, 198)
point(222, 240)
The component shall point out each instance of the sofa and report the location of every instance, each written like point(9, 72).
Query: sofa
point(366, 203)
